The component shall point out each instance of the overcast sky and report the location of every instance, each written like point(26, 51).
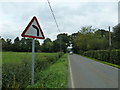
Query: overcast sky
point(71, 16)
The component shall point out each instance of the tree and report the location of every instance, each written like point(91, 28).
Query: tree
point(72, 43)
point(26, 45)
point(90, 39)
point(116, 37)
point(102, 33)
point(8, 45)
point(4, 44)
point(16, 40)
point(47, 45)
point(16, 45)
point(63, 41)
point(87, 29)
point(22, 45)
point(56, 45)
point(37, 46)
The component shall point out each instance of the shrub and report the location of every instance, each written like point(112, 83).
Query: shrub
point(112, 56)
point(18, 75)
point(53, 77)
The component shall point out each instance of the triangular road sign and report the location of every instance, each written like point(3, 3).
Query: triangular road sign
point(33, 30)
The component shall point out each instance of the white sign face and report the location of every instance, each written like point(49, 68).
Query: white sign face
point(33, 30)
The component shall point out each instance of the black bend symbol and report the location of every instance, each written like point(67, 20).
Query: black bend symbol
point(36, 29)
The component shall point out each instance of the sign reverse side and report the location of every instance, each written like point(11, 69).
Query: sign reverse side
point(33, 30)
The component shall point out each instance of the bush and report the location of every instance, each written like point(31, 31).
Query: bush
point(115, 57)
point(14, 74)
point(53, 77)
point(112, 56)
point(18, 75)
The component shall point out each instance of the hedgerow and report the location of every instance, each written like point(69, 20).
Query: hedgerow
point(111, 56)
point(56, 76)
point(18, 75)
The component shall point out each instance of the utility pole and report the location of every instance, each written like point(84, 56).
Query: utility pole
point(118, 12)
point(60, 45)
point(109, 38)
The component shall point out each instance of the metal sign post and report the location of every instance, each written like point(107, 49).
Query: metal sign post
point(33, 30)
point(33, 57)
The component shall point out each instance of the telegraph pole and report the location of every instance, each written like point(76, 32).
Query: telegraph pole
point(109, 44)
point(109, 38)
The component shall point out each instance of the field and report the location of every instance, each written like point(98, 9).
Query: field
point(17, 70)
point(17, 57)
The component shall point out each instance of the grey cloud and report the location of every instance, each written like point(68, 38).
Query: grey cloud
point(70, 16)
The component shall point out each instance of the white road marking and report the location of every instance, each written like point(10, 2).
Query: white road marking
point(71, 76)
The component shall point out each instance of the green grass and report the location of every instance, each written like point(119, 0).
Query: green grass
point(14, 57)
point(17, 57)
point(55, 76)
point(0, 64)
point(17, 68)
point(110, 64)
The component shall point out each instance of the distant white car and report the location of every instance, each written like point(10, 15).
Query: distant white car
point(71, 53)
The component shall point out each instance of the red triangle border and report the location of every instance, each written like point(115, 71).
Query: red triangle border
point(23, 34)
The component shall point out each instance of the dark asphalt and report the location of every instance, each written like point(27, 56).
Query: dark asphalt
point(87, 73)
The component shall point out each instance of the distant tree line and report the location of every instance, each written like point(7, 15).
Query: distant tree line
point(25, 44)
point(87, 38)
point(95, 39)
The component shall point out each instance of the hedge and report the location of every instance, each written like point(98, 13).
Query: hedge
point(112, 56)
point(19, 75)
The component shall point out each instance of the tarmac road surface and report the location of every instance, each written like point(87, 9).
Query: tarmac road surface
point(87, 73)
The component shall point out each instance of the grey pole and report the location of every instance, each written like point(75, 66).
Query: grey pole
point(109, 38)
point(33, 57)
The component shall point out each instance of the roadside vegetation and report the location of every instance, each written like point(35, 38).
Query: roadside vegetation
point(105, 56)
point(94, 43)
point(56, 76)
point(104, 62)
point(17, 67)
point(88, 41)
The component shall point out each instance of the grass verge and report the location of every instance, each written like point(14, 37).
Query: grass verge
point(16, 67)
point(110, 64)
point(53, 77)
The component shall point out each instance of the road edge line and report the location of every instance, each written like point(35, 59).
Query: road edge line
point(71, 75)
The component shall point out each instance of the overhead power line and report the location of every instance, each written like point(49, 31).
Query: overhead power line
point(53, 15)
point(55, 21)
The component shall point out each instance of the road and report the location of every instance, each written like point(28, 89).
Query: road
point(86, 73)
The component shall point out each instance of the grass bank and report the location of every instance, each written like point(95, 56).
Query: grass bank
point(16, 67)
point(53, 77)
